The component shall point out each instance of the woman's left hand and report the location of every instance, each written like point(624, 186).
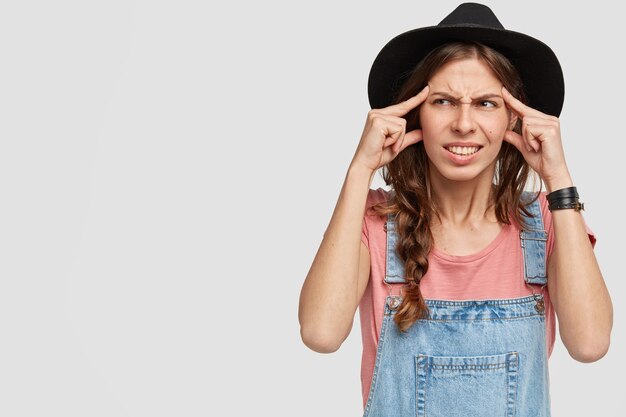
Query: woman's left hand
point(540, 143)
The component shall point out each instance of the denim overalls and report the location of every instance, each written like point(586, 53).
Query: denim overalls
point(470, 358)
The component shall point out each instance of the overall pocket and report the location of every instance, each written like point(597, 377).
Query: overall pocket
point(466, 386)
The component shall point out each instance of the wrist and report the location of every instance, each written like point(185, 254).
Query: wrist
point(357, 170)
point(559, 183)
point(564, 198)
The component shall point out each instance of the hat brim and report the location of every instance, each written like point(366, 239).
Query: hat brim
point(537, 64)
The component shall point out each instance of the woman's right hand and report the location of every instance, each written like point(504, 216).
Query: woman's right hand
point(384, 135)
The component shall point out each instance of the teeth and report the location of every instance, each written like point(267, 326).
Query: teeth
point(463, 150)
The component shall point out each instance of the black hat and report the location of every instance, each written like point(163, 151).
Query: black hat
point(536, 63)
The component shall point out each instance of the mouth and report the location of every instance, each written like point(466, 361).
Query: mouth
point(463, 150)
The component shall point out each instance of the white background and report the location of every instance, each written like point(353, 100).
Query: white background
point(167, 172)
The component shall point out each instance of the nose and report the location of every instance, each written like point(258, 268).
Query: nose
point(464, 123)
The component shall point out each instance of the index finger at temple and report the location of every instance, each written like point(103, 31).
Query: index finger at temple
point(404, 107)
point(517, 106)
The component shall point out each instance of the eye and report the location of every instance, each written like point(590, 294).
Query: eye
point(491, 103)
point(439, 101)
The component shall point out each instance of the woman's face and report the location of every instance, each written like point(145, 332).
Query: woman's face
point(463, 121)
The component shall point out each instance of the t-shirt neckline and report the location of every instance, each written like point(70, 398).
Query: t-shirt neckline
point(474, 256)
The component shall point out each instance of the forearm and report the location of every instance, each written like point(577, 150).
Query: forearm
point(329, 297)
point(580, 296)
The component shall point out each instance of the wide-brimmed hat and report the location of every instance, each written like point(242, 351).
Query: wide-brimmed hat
point(536, 63)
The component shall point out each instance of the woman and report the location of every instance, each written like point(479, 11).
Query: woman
point(460, 271)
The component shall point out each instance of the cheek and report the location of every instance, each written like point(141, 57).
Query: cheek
point(495, 129)
point(429, 121)
point(432, 144)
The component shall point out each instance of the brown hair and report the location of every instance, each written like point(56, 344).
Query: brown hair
point(408, 175)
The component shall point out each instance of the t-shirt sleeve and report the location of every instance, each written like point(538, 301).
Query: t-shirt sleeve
point(547, 216)
point(373, 197)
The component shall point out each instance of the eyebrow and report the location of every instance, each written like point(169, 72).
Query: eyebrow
point(483, 97)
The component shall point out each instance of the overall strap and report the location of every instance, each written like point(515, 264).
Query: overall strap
point(394, 269)
point(533, 243)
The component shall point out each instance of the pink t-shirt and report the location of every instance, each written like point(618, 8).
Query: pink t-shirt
point(495, 272)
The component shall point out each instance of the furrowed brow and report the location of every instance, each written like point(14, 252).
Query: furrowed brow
point(446, 95)
point(486, 96)
point(483, 97)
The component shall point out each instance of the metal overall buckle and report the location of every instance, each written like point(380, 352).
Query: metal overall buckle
point(394, 300)
point(539, 303)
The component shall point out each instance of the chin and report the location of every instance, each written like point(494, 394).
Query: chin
point(465, 173)
point(462, 176)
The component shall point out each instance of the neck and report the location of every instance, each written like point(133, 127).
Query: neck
point(461, 203)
